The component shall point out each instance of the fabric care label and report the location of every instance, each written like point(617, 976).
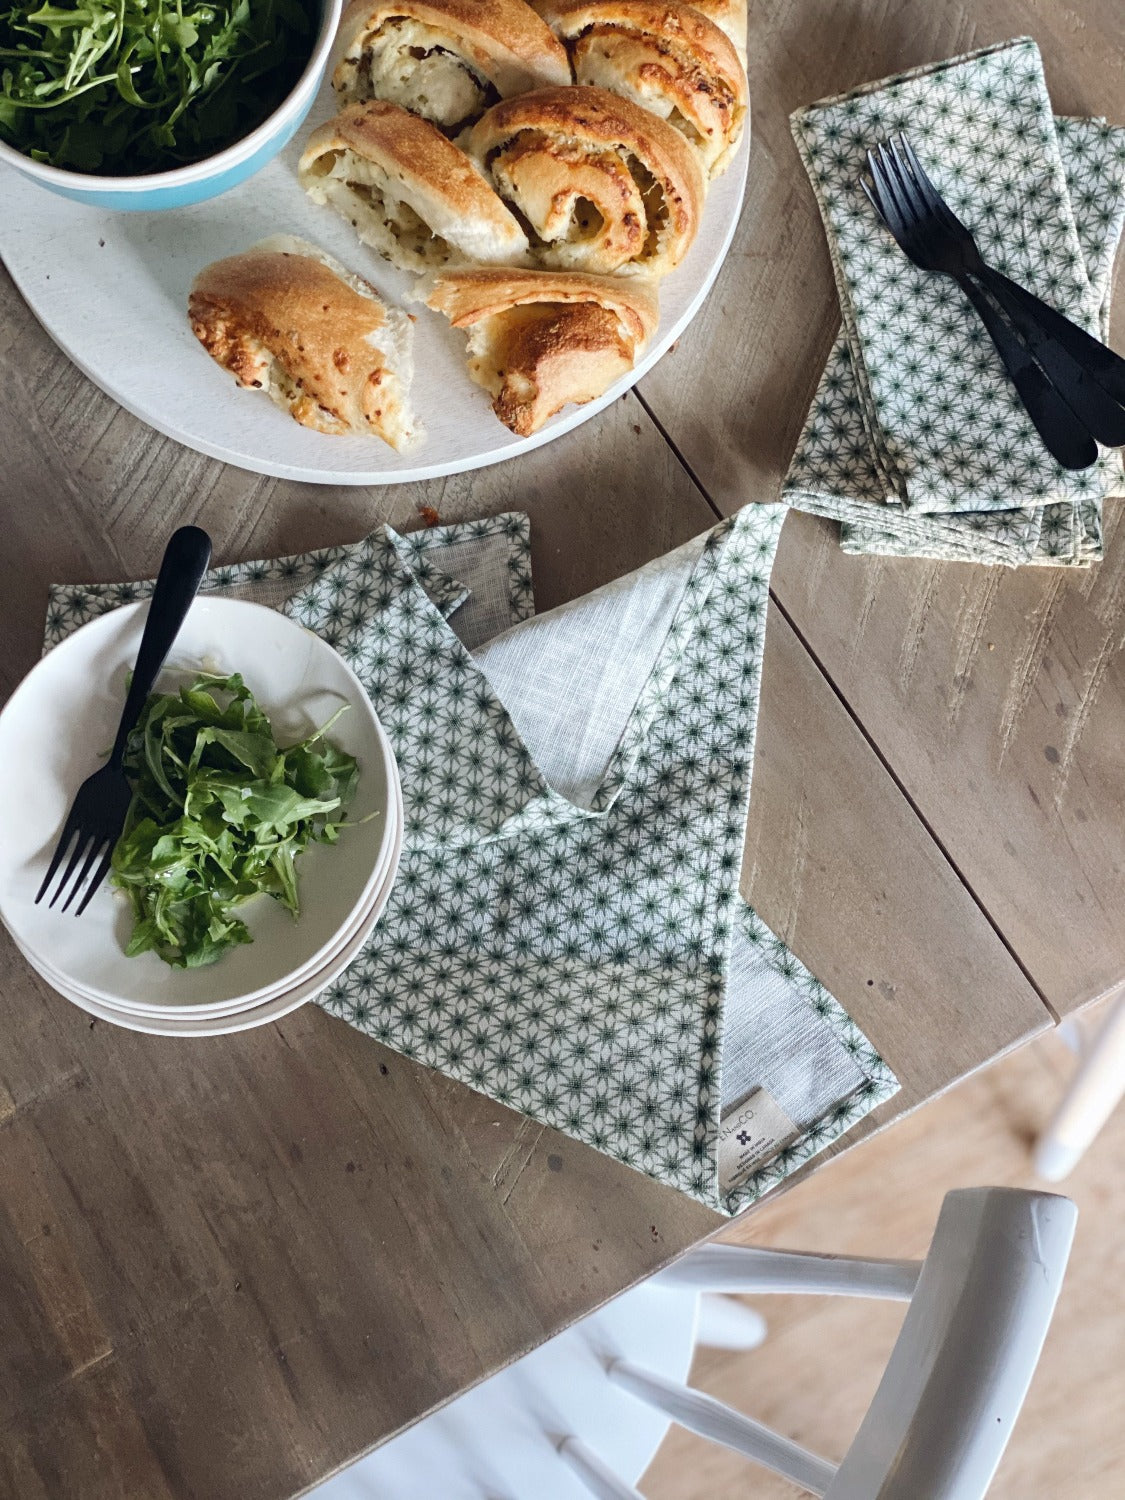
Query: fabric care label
point(750, 1136)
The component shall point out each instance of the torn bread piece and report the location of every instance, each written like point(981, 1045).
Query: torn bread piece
point(288, 319)
point(540, 340)
point(669, 58)
point(603, 184)
point(407, 191)
point(446, 60)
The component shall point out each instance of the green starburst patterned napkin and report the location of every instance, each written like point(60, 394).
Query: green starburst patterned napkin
point(566, 932)
point(916, 441)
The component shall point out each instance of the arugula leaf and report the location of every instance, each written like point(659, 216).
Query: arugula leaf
point(220, 814)
point(127, 87)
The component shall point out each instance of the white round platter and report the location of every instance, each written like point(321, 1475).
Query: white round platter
point(111, 289)
point(259, 1014)
point(65, 713)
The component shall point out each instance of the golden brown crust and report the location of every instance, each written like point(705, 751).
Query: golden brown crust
point(730, 17)
point(540, 340)
point(465, 297)
point(597, 122)
point(443, 186)
point(392, 136)
point(269, 305)
point(555, 357)
point(512, 46)
point(568, 17)
point(666, 57)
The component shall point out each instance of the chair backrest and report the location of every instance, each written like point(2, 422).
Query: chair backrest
point(963, 1361)
point(980, 1307)
point(553, 1427)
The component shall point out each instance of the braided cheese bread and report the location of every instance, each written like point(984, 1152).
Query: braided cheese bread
point(446, 60)
point(667, 57)
point(407, 191)
point(602, 184)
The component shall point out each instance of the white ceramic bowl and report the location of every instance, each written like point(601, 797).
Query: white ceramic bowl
point(214, 174)
point(260, 1013)
point(65, 712)
point(308, 980)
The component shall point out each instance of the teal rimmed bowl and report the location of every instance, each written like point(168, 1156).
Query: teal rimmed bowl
point(206, 178)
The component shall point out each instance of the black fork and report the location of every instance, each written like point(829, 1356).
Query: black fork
point(1067, 409)
point(1091, 376)
point(97, 814)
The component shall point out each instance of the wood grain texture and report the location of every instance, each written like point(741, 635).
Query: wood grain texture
point(229, 1267)
point(236, 1265)
point(994, 697)
point(823, 1357)
point(997, 698)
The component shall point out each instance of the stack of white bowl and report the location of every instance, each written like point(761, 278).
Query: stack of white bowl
point(65, 711)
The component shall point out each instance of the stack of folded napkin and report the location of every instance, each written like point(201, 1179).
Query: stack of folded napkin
point(916, 441)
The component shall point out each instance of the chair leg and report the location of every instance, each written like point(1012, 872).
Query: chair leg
point(602, 1482)
point(1095, 1090)
point(701, 1413)
point(725, 1323)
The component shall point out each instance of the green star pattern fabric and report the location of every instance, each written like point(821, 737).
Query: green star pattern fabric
point(572, 962)
point(915, 440)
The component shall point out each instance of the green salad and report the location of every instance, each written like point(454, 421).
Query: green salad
point(127, 87)
point(220, 814)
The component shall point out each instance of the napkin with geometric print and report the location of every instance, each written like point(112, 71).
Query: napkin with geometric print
point(916, 441)
point(566, 932)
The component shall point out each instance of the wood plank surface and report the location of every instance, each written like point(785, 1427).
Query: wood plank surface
point(995, 697)
point(227, 1267)
point(823, 1357)
point(998, 699)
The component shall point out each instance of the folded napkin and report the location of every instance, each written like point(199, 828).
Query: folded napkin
point(916, 440)
point(566, 932)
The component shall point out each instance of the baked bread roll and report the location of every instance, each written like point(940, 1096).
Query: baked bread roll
point(286, 318)
point(539, 340)
point(604, 185)
point(446, 60)
point(667, 57)
point(408, 192)
point(728, 16)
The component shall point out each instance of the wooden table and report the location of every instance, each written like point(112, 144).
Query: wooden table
point(230, 1266)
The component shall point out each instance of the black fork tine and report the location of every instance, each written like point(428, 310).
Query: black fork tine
point(70, 828)
point(100, 807)
point(96, 879)
point(933, 199)
point(97, 846)
point(895, 208)
point(873, 198)
point(884, 200)
point(913, 204)
point(82, 844)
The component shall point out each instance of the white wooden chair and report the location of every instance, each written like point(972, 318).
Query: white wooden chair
point(1095, 1091)
point(583, 1414)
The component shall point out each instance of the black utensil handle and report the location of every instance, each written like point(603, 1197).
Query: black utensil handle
point(185, 562)
point(1100, 363)
point(1065, 438)
point(1096, 409)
